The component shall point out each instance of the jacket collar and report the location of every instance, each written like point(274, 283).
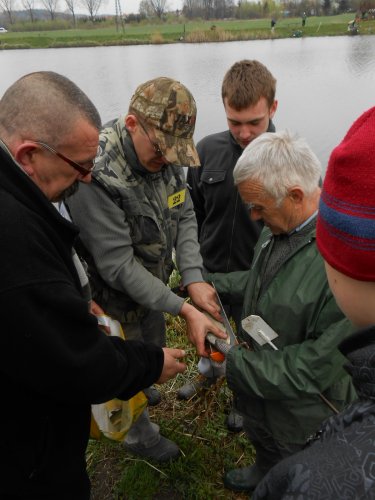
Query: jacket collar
point(18, 184)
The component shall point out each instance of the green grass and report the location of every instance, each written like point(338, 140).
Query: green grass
point(192, 31)
point(198, 426)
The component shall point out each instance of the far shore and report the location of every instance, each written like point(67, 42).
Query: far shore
point(183, 31)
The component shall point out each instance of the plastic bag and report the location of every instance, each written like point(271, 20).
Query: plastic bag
point(114, 418)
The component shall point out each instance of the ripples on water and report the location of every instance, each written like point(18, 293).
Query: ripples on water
point(323, 83)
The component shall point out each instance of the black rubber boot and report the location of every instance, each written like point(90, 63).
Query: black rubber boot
point(234, 421)
point(244, 479)
point(247, 478)
point(153, 395)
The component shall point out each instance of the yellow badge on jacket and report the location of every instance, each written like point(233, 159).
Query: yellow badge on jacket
point(176, 198)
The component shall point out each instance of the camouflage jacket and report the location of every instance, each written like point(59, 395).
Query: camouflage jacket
point(130, 221)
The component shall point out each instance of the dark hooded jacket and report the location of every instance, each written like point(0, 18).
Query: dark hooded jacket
point(55, 361)
point(227, 235)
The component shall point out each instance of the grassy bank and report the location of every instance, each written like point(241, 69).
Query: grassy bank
point(198, 426)
point(189, 32)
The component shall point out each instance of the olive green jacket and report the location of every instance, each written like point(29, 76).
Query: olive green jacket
point(280, 389)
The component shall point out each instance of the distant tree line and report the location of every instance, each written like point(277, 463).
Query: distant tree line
point(12, 11)
point(244, 9)
point(15, 10)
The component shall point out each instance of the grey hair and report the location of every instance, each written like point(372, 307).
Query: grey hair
point(44, 105)
point(279, 161)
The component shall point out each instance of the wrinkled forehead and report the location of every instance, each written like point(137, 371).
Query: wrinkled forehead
point(253, 189)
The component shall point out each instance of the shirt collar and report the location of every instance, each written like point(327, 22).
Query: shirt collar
point(304, 224)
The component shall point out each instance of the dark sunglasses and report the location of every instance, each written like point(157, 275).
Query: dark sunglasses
point(80, 168)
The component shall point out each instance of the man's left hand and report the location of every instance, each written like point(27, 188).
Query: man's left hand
point(198, 325)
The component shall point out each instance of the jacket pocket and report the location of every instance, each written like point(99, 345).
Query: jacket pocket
point(144, 229)
point(213, 176)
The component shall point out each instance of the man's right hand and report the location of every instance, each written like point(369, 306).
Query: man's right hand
point(172, 364)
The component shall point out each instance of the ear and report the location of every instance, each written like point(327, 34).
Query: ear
point(131, 123)
point(24, 155)
point(296, 194)
point(273, 108)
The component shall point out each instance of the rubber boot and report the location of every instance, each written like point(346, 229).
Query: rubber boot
point(244, 479)
point(190, 389)
point(153, 395)
point(234, 421)
point(247, 478)
point(144, 440)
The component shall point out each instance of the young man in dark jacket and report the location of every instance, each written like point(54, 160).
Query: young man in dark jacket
point(227, 235)
point(339, 461)
point(55, 361)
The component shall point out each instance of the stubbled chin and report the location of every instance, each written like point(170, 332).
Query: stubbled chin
point(67, 192)
point(156, 166)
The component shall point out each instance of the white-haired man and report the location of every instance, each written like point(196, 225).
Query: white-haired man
point(280, 392)
point(339, 463)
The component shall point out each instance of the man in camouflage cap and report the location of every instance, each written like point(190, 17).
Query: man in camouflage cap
point(133, 214)
point(169, 108)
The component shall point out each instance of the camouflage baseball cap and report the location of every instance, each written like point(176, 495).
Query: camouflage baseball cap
point(168, 107)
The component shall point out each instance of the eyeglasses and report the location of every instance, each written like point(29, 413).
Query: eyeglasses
point(253, 206)
point(155, 145)
point(249, 206)
point(80, 168)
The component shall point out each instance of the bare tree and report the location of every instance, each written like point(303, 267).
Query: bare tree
point(8, 7)
point(71, 4)
point(218, 7)
point(92, 6)
point(51, 6)
point(208, 5)
point(159, 7)
point(195, 8)
point(145, 8)
point(188, 8)
point(29, 6)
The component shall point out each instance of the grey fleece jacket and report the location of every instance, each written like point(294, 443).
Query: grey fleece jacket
point(129, 229)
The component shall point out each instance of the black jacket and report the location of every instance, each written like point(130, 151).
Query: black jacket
point(55, 361)
point(339, 463)
point(227, 236)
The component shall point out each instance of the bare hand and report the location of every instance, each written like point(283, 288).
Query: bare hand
point(172, 366)
point(204, 296)
point(97, 311)
point(198, 325)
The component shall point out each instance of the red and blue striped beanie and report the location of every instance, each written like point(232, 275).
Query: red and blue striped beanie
point(346, 220)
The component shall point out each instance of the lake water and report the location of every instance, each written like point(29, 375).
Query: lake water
point(324, 84)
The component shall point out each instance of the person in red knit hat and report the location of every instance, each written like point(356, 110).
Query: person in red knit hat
point(339, 462)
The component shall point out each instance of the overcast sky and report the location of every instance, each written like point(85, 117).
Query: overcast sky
point(132, 6)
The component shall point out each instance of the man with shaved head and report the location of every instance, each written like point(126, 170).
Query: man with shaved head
point(55, 361)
